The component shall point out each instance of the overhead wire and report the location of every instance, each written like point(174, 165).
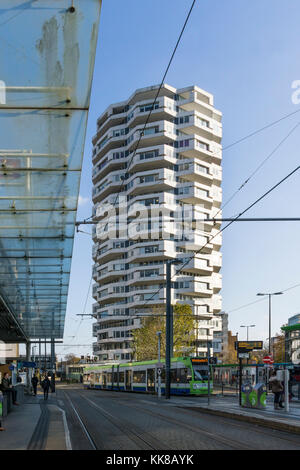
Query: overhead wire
point(257, 169)
point(226, 226)
point(260, 130)
point(152, 107)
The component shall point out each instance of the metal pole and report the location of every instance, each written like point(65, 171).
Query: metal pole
point(27, 359)
point(208, 372)
point(40, 355)
point(45, 354)
point(159, 375)
point(286, 390)
point(168, 330)
point(240, 382)
point(269, 323)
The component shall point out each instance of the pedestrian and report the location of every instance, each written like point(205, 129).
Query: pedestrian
point(45, 386)
point(34, 383)
point(277, 389)
point(7, 388)
point(1, 404)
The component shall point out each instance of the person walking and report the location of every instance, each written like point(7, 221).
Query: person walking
point(45, 386)
point(277, 389)
point(34, 383)
point(1, 400)
point(7, 388)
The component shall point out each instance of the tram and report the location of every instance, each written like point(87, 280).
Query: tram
point(189, 376)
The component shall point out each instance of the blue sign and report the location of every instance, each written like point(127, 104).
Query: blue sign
point(27, 364)
point(11, 367)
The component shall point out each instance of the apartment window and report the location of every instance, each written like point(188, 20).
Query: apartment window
point(119, 132)
point(184, 190)
point(148, 107)
point(202, 145)
point(149, 154)
point(150, 130)
point(202, 122)
point(182, 120)
point(149, 273)
point(149, 178)
point(183, 143)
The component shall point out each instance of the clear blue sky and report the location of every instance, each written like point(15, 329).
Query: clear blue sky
point(247, 55)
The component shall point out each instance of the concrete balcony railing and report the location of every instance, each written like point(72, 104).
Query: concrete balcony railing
point(196, 173)
point(203, 127)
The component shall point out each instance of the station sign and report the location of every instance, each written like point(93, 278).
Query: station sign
point(212, 360)
point(246, 346)
point(27, 364)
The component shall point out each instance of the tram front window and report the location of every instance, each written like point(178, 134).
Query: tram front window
point(200, 373)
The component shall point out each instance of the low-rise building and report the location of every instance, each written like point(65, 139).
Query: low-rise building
point(292, 339)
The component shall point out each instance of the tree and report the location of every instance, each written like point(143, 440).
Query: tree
point(145, 339)
point(278, 348)
point(72, 359)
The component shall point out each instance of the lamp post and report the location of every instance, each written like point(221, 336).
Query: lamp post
point(159, 371)
point(270, 296)
point(247, 326)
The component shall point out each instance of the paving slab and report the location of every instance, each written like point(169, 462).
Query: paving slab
point(26, 423)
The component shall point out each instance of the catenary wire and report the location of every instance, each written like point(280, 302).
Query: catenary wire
point(152, 106)
point(226, 226)
point(260, 130)
point(257, 168)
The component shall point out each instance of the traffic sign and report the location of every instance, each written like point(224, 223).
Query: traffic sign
point(243, 355)
point(268, 360)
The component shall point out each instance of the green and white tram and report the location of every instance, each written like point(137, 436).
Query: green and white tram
point(189, 376)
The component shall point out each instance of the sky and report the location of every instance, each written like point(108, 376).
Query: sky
point(247, 55)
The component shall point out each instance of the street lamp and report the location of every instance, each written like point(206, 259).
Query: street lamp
point(247, 326)
point(270, 295)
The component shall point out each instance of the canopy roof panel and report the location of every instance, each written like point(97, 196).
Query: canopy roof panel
point(47, 54)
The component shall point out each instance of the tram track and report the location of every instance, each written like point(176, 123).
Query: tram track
point(81, 422)
point(256, 430)
point(133, 432)
point(145, 441)
point(195, 429)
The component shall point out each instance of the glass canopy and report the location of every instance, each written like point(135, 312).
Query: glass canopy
point(47, 59)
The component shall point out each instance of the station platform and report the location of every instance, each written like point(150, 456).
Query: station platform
point(228, 406)
point(35, 425)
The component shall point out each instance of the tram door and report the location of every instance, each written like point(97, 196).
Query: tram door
point(150, 380)
point(128, 379)
point(104, 379)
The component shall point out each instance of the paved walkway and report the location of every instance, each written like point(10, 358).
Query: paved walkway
point(35, 425)
point(39, 425)
point(229, 406)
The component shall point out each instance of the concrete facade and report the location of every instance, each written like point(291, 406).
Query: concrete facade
point(153, 188)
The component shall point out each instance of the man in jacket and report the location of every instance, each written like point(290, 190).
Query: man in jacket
point(277, 389)
point(7, 388)
point(34, 382)
point(45, 386)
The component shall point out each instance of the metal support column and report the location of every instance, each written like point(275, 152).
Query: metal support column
point(169, 331)
point(28, 346)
